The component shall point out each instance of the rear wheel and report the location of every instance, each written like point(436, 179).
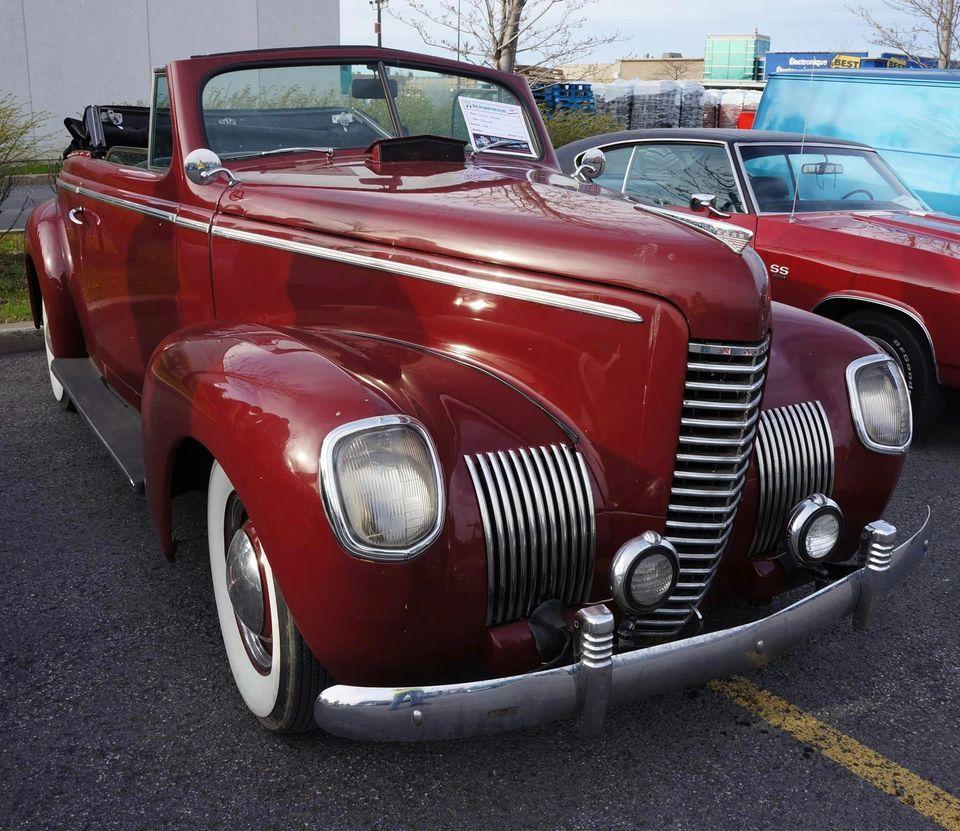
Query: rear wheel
point(59, 393)
point(274, 670)
point(910, 351)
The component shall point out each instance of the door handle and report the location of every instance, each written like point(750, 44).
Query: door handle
point(76, 216)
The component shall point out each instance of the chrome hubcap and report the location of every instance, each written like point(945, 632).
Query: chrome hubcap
point(246, 589)
point(243, 582)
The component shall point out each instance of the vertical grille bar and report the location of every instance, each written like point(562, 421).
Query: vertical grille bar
point(718, 424)
point(795, 458)
point(537, 510)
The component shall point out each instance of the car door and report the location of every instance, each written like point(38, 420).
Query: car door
point(128, 275)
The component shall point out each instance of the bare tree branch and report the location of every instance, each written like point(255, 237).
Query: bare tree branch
point(495, 32)
point(934, 28)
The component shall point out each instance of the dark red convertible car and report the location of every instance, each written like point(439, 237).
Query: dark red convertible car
point(481, 448)
point(840, 233)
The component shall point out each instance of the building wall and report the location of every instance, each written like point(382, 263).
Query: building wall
point(56, 57)
point(735, 57)
point(661, 69)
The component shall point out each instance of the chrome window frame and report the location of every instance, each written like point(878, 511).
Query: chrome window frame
point(151, 124)
point(330, 490)
point(634, 142)
point(856, 411)
point(833, 146)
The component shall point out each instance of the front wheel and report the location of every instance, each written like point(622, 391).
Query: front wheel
point(913, 357)
point(274, 670)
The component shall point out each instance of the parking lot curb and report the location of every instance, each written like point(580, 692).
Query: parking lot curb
point(20, 337)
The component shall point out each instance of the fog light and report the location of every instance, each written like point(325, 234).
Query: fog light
point(243, 581)
point(814, 529)
point(644, 573)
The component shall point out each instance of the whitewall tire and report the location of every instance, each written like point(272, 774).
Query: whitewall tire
point(275, 673)
point(59, 393)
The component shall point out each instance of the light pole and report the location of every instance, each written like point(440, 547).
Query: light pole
point(458, 29)
point(378, 26)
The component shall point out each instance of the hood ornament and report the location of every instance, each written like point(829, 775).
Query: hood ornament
point(732, 236)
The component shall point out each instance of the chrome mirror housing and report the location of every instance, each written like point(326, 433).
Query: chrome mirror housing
point(706, 202)
point(702, 200)
point(202, 166)
point(592, 164)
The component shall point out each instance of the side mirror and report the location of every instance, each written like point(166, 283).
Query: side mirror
point(705, 202)
point(202, 166)
point(592, 164)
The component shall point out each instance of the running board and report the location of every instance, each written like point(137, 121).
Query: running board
point(114, 422)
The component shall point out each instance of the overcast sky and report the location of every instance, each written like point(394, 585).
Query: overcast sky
point(655, 26)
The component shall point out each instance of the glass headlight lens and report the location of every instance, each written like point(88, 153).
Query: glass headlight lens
point(880, 402)
point(383, 488)
point(822, 535)
point(652, 580)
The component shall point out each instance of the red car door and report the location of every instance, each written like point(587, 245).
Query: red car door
point(128, 276)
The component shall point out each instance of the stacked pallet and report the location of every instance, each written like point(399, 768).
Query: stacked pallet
point(566, 97)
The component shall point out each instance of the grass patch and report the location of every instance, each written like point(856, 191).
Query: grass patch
point(14, 299)
point(41, 166)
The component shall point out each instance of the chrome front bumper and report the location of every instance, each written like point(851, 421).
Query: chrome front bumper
point(583, 691)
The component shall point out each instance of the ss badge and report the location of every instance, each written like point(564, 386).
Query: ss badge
point(781, 271)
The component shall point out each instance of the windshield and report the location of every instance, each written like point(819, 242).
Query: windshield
point(822, 179)
point(276, 109)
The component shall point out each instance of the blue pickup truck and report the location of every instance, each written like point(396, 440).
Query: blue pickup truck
point(912, 116)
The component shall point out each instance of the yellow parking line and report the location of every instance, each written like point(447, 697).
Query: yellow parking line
point(924, 797)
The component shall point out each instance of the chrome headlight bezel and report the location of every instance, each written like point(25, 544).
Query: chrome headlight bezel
point(628, 558)
point(333, 500)
point(856, 409)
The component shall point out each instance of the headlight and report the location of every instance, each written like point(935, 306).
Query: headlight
point(880, 402)
point(814, 529)
point(644, 573)
point(381, 483)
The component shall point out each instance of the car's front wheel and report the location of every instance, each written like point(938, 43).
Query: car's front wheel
point(274, 670)
point(913, 357)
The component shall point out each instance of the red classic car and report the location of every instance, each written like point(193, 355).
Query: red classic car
point(840, 233)
point(480, 448)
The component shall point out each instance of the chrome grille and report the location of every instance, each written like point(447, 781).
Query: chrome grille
point(538, 522)
point(721, 405)
point(794, 459)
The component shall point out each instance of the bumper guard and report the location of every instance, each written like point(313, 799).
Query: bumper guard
point(583, 691)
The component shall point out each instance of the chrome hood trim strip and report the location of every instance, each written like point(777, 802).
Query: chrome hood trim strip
point(478, 284)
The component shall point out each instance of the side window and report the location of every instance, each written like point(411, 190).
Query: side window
point(669, 174)
point(771, 179)
point(618, 158)
point(161, 136)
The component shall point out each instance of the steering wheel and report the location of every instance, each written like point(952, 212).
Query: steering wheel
point(860, 190)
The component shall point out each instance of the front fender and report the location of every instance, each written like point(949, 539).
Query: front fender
point(809, 356)
point(261, 401)
point(49, 268)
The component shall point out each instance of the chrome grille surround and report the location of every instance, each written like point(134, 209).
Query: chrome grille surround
point(537, 508)
point(721, 406)
point(795, 458)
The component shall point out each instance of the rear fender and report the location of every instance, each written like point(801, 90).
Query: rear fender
point(261, 401)
point(49, 270)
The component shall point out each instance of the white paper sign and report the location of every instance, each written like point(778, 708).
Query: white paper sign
point(496, 127)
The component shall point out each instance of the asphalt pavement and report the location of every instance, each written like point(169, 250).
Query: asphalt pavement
point(117, 709)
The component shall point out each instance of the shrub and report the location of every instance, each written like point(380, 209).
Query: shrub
point(17, 142)
point(565, 126)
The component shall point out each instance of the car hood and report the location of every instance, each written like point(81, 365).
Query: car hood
point(929, 232)
point(516, 217)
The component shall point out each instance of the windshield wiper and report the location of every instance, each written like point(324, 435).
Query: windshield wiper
point(498, 143)
point(327, 150)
